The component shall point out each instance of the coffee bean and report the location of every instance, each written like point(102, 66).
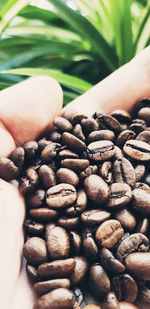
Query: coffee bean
point(105, 171)
point(91, 169)
point(110, 301)
point(42, 143)
point(55, 135)
point(91, 306)
point(138, 264)
point(78, 132)
point(56, 299)
point(89, 125)
point(110, 263)
point(80, 270)
point(142, 226)
point(101, 150)
point(62, 124)
point(144, 113)
point(109, 122)
point(32, 273)
point(69, 114)
point(94, 217)
point(109, 233)
point(44, 287)
point(75, 240)
point(125, 136)
point(121, 115)
point(79, 206)
point(47, 176)
point(99, 283)
point(61, 195)
point(137, 150)
point(57, 269)
point(141, 201)
point(89, 245)
point(126, 218)
point(133, 243)
point(139, 172)
point(58, 243)
point(43, 214)
point(78, 295)
point(75, 164)
point(18, 156)
point(125, 288)
point(73, 142)
point(29, 182)
point(141, 185)
point(123, 171)
point(8, 170)
point(101, 135)
point(49, 152)
point(34, 228)
point(36, 198)
point(120, 195)
point(144, 136)
point(66, 175)
point(96, 189)
point(69, 223)
point(35, 251)
point(144, 295)
point(67, 153)
point(118, 153)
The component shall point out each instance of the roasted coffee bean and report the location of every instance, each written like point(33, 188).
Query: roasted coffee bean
point(56, 299)
point(91, 169)
point(78, 295)
point(94, 217)
point(30, 148)
point(29, 182)
point(8, 170)
point(118, 153)
point(126, 218)
point(80, 270)
point(109, 233)
point(96, 189)
point(137, 127)
point(49, 152)
point(144, 295)
point(123, 171)
point(77, 131)
point(61, 195)
point(77, 118)
point(133, 243)
point(124, 136)
point(109, 262)
point(75, 164)
point(101, 150)
point(105, 171)
point(141, 185)
point(142, 226)
point(120, 195)
point(35, 251)
point(32, 273)
point(89, 245)
point(75, 240)
point(58, 243)
point(79, 206)
point(34, 228)
point(73, 142)
point(67, 153)
point(62, 124)
point(109, 122)
point(43, 214)
point(55, 135)
point(101, 135)
point(91, 306)
point(57, 269)
point(121, 115)
point(141, 201)
point(66, 175)
point(99, 283)
point(69, 223)
point(69, 114)
point(44, 287)
point(139, 172)
point(138, 264)
point(137, 150)
point(144, 113)
point(110, 301)
point(125, 288)
point(18, 156)
point(42, 143)
point(36, 198)
point(47, 176)
point(144, 136)
point(89, 125)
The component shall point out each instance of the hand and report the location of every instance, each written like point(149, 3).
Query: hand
point(26, 110)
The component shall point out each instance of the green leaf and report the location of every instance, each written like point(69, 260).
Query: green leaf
point(69, 96)
point(9, 10)
point(86, 29)
point(33, 12)
point(65, 79)
point(142, 24)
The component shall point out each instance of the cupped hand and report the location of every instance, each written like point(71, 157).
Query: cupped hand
point(26, 111)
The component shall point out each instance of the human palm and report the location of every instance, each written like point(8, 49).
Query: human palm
point(26, 111)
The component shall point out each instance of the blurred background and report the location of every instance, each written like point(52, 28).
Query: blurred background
point(78, 42)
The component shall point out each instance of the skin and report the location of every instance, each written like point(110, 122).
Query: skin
point(27, 110)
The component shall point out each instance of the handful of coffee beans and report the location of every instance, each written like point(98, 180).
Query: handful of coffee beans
point(87, 192)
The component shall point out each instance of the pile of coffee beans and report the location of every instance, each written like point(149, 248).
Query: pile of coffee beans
point(87, 192)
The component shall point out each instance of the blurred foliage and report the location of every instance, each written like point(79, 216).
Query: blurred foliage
point(78, 42)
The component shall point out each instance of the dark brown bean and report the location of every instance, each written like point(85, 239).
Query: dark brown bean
point(110, 263)
point(110, 301)
point(47, 176)
point(8, 170)
point(44, 287)
point(139, 172)
point(137, 150)
point(121, 115)
point(57, 269)
point(142, 226)
point(123, 171)
point(73, 142)
point(96, 189)
point(66, 175)
point(124, 136)
point(89, 125)
point(36, 198)
point(29, 182)
point(34, 228)
point(101, 135)
point(43, 214)
point(18, 156)
point(144, 113)
point(138, 264)
point(58, 243)
point(101, 150)
point(67, 153)
point(144, 136)
point(80, 270)
point(120, 195)
point(69, 223)
point(75, 240)
point(105, 171)
point(75, 164)
point(49, 152)
point(126, 218)
point(61, 195)
point(125, 288)
point(141, 201)
point(30, 148)
point(62, 124)
point(99, 283)
point(94, 217)
point(35, 251)
point(91, 169)
point(109, 233)
point(77, 131)
point(79, 206)
point(32, 273)
point(109, 122)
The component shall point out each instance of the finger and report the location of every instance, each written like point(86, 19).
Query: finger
point(27, 109)
point(11, 239)
point(121, 89)
point(125, 305)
